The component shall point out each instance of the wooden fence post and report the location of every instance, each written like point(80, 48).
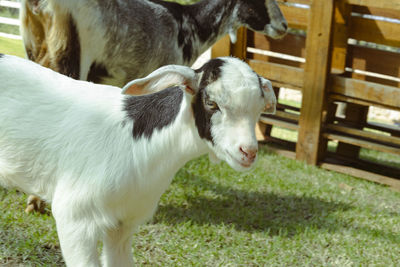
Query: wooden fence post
point(317, 70)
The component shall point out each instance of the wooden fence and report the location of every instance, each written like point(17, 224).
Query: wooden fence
point(338, 51)
point(10, 21)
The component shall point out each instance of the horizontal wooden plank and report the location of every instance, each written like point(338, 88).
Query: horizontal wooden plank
point(387, 13)
point(287, 115)
point(375, 31)
point(372, 92)
point(289, 76)
point(373, 177)
point(280, 123)
point(388, 4)
point(349, 99)
point(362, 143)
point(288, 107)
point(291, 44)
point(365, 134)
point(392, 129)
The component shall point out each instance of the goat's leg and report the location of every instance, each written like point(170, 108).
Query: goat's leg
point(34, 203)
point(78, 239)
point(117, 246)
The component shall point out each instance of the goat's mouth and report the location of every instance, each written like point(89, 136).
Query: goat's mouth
point(275, 32)
point(242, 163)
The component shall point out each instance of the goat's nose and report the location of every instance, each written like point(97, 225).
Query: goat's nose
point(249, 152)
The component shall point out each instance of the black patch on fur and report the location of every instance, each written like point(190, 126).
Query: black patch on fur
point(254, 14)
point(154, 111)
point(97, 72)
point(185, 36)
point(211, 71)
point(68, 60)
point(1, 55)
point(202, 115)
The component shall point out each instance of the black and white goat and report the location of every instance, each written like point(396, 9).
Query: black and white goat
point(112, 42)
point(103, 158)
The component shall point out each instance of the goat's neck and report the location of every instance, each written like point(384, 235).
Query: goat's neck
point(214, 19)
point(176, 144)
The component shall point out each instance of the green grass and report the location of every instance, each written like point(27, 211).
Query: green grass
point(11, 47)
point(283, 213)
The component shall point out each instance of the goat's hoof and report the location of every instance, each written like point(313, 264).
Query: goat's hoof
point(34, 203)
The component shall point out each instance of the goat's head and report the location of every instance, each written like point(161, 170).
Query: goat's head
point(228, 98)
point(262, 16)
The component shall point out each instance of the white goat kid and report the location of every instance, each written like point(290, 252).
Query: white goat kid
point(112, 42)
point(103, 159)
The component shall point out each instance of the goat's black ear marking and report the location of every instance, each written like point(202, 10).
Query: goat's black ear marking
point(211, 71)
point(154, 111)
point(1, 55)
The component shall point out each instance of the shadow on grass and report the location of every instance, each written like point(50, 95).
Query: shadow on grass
point(249, 211)
point(274, 214)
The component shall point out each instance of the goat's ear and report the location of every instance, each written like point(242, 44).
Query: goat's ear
point(164, 77)
point(269, 96)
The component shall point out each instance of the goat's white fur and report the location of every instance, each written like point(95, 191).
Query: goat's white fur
point(68, 142)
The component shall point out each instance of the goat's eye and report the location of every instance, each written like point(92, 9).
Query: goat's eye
point(211, 105)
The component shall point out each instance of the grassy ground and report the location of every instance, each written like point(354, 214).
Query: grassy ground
point(11, 47)
point(284, 213)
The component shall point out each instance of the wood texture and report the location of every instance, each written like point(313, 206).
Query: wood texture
point(280, 123)
point(340, 36)
point(363, 143)
point(395, 183)
point(387, 4)
point(349, 99)
point(318, 62)
point(365, 134)
point(296, 17)
point(375, 31)
point(222, 48)
point(387, 13)
point(368, 91)
point(376, 61)
point(285, 76)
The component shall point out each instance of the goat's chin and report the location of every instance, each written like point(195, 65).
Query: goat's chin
point(238, 165)
point(274, 33)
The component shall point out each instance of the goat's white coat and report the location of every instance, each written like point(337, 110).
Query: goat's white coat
point(70, 143)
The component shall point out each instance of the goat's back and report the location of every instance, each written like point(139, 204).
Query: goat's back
point(52, 126)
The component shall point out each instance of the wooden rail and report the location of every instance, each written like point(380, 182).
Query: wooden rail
point(10, 21)
point(338, 51)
